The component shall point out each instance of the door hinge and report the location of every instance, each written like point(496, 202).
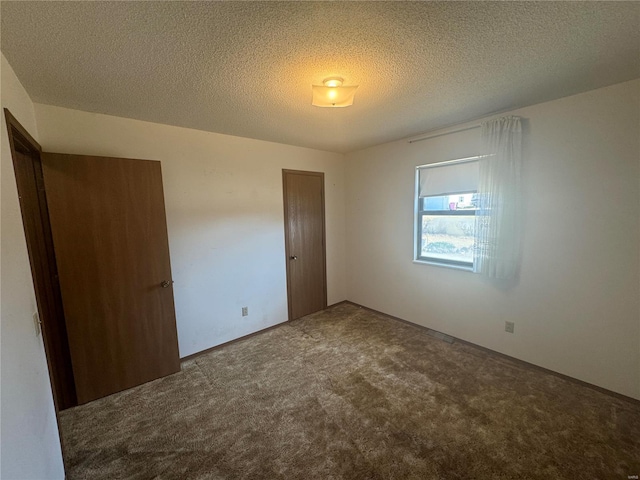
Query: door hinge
point(37, 323)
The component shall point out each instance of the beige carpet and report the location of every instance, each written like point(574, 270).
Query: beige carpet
point(348, 394)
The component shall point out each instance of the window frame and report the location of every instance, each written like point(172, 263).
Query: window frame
point(419, 213)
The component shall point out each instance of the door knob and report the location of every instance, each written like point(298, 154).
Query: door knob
point(293, 257)
point(166, 283)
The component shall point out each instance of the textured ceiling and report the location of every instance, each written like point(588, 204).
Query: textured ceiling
point(246, 68)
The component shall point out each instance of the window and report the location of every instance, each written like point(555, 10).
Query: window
point(446, 204)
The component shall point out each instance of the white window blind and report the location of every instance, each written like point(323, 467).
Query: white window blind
point(448, 177)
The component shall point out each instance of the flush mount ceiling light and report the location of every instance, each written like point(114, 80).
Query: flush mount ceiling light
point(332, 94)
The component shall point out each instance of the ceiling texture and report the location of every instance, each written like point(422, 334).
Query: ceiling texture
point(246, 68)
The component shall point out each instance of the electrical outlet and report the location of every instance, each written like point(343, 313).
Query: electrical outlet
point(508, 327)
point(245, 311)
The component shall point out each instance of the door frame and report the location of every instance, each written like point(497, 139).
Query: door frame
point(286, 234)
point(44, 271)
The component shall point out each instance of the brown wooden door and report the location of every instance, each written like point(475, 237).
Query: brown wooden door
point(304, 242)
point(110, 240)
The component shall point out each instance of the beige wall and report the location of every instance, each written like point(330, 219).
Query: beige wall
point(30, 444)
point(576, 307)
point(224, 206)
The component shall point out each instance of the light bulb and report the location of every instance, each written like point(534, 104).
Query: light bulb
point(333, 82)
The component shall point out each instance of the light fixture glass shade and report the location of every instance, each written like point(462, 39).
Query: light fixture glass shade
point(333, 96)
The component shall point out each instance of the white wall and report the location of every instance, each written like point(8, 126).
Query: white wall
point(30, 446)
point(576, 306)
point(225, 216)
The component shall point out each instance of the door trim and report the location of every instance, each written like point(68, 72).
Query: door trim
point(286, 234)
point(44, 271)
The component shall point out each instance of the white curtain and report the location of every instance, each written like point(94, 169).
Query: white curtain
point(497, 242)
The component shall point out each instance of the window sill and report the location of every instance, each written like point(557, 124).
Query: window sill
point(445, 265)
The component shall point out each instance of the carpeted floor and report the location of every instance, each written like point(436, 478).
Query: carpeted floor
point(349, 394)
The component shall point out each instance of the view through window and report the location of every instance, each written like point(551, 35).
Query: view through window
point(446, 226)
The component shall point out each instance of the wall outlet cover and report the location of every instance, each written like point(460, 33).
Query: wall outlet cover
point(509, 327)
point(245, 311)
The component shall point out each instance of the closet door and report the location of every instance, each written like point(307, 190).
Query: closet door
point(304, 241)
point(112, 252)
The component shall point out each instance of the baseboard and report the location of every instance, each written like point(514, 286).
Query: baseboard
point(244, 337)
point(523, 363)
point(342, 302)
point(447, 338)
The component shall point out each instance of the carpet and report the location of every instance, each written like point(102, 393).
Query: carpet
point(349, 394)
